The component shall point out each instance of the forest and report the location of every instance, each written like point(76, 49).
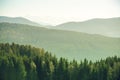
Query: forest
point(24, 62)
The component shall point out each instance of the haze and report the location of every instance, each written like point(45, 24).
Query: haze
point(59, 11)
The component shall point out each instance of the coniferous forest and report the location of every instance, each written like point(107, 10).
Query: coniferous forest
point(24, 62)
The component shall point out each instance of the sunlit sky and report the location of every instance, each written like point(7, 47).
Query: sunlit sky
point(60, 11)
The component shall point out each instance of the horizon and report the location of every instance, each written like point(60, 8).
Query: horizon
point(44, 23)
point(60, 11)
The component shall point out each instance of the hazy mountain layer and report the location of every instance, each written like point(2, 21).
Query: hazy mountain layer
point(19, 20)
point(63, 43)
point(108, 27)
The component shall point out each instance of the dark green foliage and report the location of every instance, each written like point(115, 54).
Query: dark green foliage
point(20, 62)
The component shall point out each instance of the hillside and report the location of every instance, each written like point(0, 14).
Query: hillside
point(19, 20)
point(24, 62)
point(63, 43)
point(107, 27)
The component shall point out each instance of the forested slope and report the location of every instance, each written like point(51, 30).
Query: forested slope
point(62, 43)
point(23, 62)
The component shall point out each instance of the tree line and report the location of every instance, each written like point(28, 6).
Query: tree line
point(23, 62)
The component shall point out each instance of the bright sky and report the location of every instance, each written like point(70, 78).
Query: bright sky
point(59, 11)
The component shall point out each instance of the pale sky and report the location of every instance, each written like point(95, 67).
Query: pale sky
point(60, 11)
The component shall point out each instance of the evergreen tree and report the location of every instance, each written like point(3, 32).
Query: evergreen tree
point(23, 62)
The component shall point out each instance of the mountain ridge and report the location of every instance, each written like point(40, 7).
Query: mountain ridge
point(19, 20)
point(103, 26)
point(68, 44)
point(107, 27)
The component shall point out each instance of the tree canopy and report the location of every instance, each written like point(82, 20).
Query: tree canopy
point(23, 62)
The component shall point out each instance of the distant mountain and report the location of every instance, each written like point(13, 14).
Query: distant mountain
point(63, 43)
point(19, 20)
point(108, 27)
